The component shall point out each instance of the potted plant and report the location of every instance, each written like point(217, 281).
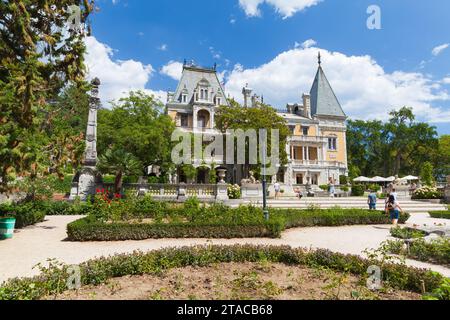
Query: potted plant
point(7, 222)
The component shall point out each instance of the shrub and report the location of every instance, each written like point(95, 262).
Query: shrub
point(324, 187)
point(26, 214)
point(343, 180)
point(99, 271)
point(407, 233)
point(234, 191)
point(436, 251)
point(426, 193)
point(440, 214)
point(440, 293)
point(345, 189)
point(358, 190)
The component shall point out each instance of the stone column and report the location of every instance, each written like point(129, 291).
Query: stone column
point(88, 174)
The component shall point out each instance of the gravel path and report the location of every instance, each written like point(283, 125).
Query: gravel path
point(36, 244)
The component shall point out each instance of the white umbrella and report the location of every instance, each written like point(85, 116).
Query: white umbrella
point(378, 179)
point(410, 178)
point(390, 179)
point(362, 179)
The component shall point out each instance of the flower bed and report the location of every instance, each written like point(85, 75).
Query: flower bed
point(95, 272)
point(427, 193)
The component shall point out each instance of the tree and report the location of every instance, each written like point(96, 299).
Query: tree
point(442, 157)
point(137, 124)
point(426, 174)
point(264, 116)
point(399, 147)
point(37, 60)
point(119, 163)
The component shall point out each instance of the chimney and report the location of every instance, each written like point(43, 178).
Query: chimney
point(256, 101)
point(247, 92)
point(307, 105)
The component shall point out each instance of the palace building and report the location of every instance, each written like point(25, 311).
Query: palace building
point(317, 149)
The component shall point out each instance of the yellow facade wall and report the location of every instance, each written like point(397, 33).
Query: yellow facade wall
point(312, 132)
point(340, 154)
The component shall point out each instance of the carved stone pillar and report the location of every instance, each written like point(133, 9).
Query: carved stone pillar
point(88, 175)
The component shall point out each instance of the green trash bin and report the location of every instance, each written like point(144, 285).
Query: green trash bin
point(7, 228)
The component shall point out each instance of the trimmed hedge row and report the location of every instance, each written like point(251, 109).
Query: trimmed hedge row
point(440, 214)
point(334, 217)
point(88, 230)
point(95, 272)
point(230, 225)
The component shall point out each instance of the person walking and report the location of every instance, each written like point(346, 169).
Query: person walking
point(331, 187)
point(393, 209)
point(372, 200)
point(277, 188)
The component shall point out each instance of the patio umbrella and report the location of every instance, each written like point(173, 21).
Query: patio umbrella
point(378, 179)
point(361, 179)
point(390, 179)
point(410, 178)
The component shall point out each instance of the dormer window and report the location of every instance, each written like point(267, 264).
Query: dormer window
point(218, 101)
point(184, 95)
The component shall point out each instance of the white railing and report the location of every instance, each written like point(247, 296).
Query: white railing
point(310, 139)
point(317, 163)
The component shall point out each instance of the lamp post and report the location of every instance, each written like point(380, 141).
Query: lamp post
point(264, 182)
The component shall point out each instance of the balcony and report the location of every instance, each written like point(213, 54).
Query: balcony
point(317, 164)
point(308, 139)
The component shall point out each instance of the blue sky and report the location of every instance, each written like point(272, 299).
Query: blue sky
point(139, 44)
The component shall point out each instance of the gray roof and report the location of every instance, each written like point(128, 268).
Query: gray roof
point(323, 99)
point(191, 77)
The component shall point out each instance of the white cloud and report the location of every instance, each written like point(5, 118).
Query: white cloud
point(307, 44)
point(438, 50)
point(287, 8)
point(173, 69)
point(163, 47)
point(117, 77)
point(364, 89)
point(446, 80)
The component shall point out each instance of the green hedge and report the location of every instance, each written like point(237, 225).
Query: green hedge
point(88, 230)
point(26, 214)
point(358, 190)
point(223, 222)
point(95, 272)
point(440, 214)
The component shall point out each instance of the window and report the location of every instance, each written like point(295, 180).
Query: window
point(292, 128)
point(184, 98)
point(184, 119)
point(219, 101)
point(332, 144)
point(305, 131)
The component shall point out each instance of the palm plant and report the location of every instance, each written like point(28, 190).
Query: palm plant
point(119, 163)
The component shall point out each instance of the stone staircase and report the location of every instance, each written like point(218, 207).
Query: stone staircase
point(408, 205)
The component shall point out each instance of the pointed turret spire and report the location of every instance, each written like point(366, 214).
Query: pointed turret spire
point(323, 99)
